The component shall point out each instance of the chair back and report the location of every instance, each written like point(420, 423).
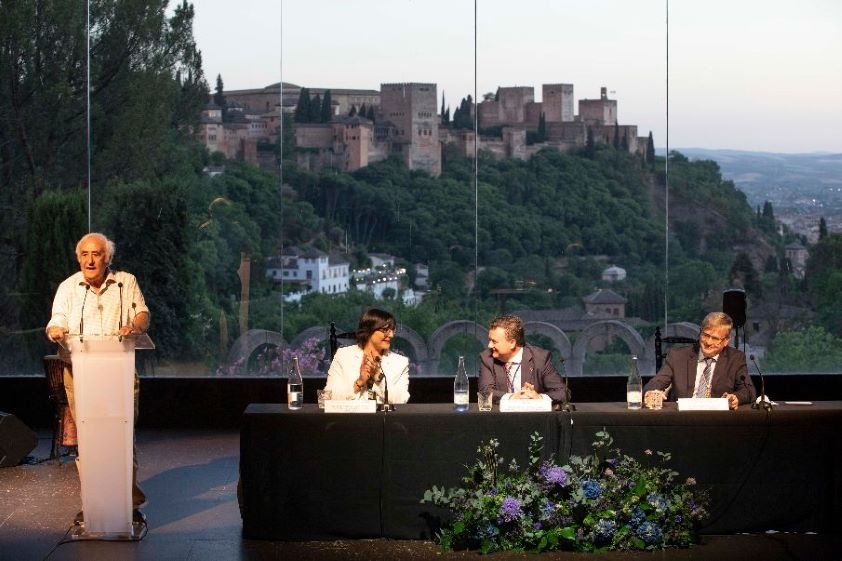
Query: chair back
point(335, 337)
point(661, 353)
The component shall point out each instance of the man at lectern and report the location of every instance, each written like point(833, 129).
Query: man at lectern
point(98, 301)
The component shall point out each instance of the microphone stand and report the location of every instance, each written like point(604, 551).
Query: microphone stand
point(764, 403)
point(385, 406)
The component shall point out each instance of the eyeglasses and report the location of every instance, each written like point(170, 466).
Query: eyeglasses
point(713, 338)
point(386, 329)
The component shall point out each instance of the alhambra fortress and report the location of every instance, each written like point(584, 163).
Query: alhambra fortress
point(407, 124)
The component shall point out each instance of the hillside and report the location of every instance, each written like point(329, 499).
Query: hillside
point(801, 187)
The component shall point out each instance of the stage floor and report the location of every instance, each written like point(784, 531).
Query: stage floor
point(190, 479)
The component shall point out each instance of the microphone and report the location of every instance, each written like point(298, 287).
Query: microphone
point(82, 316)
point(764, 401)
point(385, 406)
point(120, 319)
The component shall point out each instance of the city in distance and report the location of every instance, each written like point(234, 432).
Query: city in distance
point(803, 188)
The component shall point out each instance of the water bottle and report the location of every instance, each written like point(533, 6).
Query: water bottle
point(634, 386)
point(295, 386)
point(461, 387)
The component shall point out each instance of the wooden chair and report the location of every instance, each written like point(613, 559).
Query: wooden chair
point(335, 337)
point(64, 428)
point(660, 353)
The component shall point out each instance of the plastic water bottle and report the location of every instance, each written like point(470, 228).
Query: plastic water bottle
point(461, 387)
point(295, 386)
point(634, 386)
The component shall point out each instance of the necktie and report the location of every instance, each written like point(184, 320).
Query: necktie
point(704, 385)
point(510, 376)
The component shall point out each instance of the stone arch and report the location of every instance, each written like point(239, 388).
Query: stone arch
point(416, 342)
point(600, 328)
point(451, 329)
point(552, 332)
point(322, 333)
point(247, 343)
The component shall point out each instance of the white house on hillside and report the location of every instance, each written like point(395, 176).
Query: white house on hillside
point(311, 269)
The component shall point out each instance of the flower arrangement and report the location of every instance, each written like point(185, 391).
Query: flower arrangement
point(603, 501)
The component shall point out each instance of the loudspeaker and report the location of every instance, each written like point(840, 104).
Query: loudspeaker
point(734, 304)
point(16, 440)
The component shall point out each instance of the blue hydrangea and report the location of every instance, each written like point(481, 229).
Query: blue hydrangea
point(658, 502)
point(510, 509)
point(489, 530)
point(604, 530)
point(636, 516)
point(650, 533)
point(591, 488)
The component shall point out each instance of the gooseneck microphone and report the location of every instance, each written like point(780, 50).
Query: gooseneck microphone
point(385, 406)
point(764, 401)
point(120, 319)
point(82, 315)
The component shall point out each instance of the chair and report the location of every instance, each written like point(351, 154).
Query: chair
point(660, 354)
point(334, 338)
point(64, 428)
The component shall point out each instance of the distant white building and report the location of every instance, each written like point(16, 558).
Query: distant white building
point(382, 277)
point(422, 275)
point(614, 274)
point(312, 270)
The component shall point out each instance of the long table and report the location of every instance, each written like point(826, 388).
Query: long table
point(308, 475)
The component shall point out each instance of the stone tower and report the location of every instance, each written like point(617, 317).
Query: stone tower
point(411, 108)
point(558, 103)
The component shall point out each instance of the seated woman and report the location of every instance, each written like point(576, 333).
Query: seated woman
point(356, 369)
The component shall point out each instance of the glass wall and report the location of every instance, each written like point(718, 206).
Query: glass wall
point(269, 169)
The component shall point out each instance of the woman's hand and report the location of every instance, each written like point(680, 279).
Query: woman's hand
point(369, 370)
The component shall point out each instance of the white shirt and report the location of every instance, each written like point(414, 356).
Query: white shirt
point(345, 369)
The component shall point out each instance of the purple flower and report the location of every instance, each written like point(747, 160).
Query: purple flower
point(554, 475)
point(510, 509)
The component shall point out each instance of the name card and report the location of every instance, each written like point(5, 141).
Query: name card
point(350, 406)
point(702, 404)
point(509, 405)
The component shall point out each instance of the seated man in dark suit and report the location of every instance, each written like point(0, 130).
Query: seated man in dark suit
point(511, 366)
point(710, 368)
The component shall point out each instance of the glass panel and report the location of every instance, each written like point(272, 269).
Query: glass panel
point(380, 200)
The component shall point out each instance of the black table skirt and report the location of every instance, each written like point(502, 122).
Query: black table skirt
point(310, 475)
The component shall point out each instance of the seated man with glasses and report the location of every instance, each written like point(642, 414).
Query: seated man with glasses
point(708, 369)
point(359, 369)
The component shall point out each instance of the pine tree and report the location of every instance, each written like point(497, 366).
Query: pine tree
point(327, 108)
point(822, 228)
point(315, 109)
point(302, 108)
point(353, 111)
point(370, 115)
point(650, 152)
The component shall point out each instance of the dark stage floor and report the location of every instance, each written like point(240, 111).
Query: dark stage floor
point(190, 478)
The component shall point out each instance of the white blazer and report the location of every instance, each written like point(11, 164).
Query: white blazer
point(345, 369)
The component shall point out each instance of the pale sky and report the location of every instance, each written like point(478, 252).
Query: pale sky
point(759, 75)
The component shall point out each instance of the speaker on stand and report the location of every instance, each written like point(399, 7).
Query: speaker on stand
point(16, 440)
point(734, 304)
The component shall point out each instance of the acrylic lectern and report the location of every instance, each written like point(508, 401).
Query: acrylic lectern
point(103, 381)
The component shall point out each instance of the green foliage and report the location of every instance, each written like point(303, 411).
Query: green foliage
point(813, 350)
point(603, 501)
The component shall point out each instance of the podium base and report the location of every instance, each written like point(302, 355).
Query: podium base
point(79, 533)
